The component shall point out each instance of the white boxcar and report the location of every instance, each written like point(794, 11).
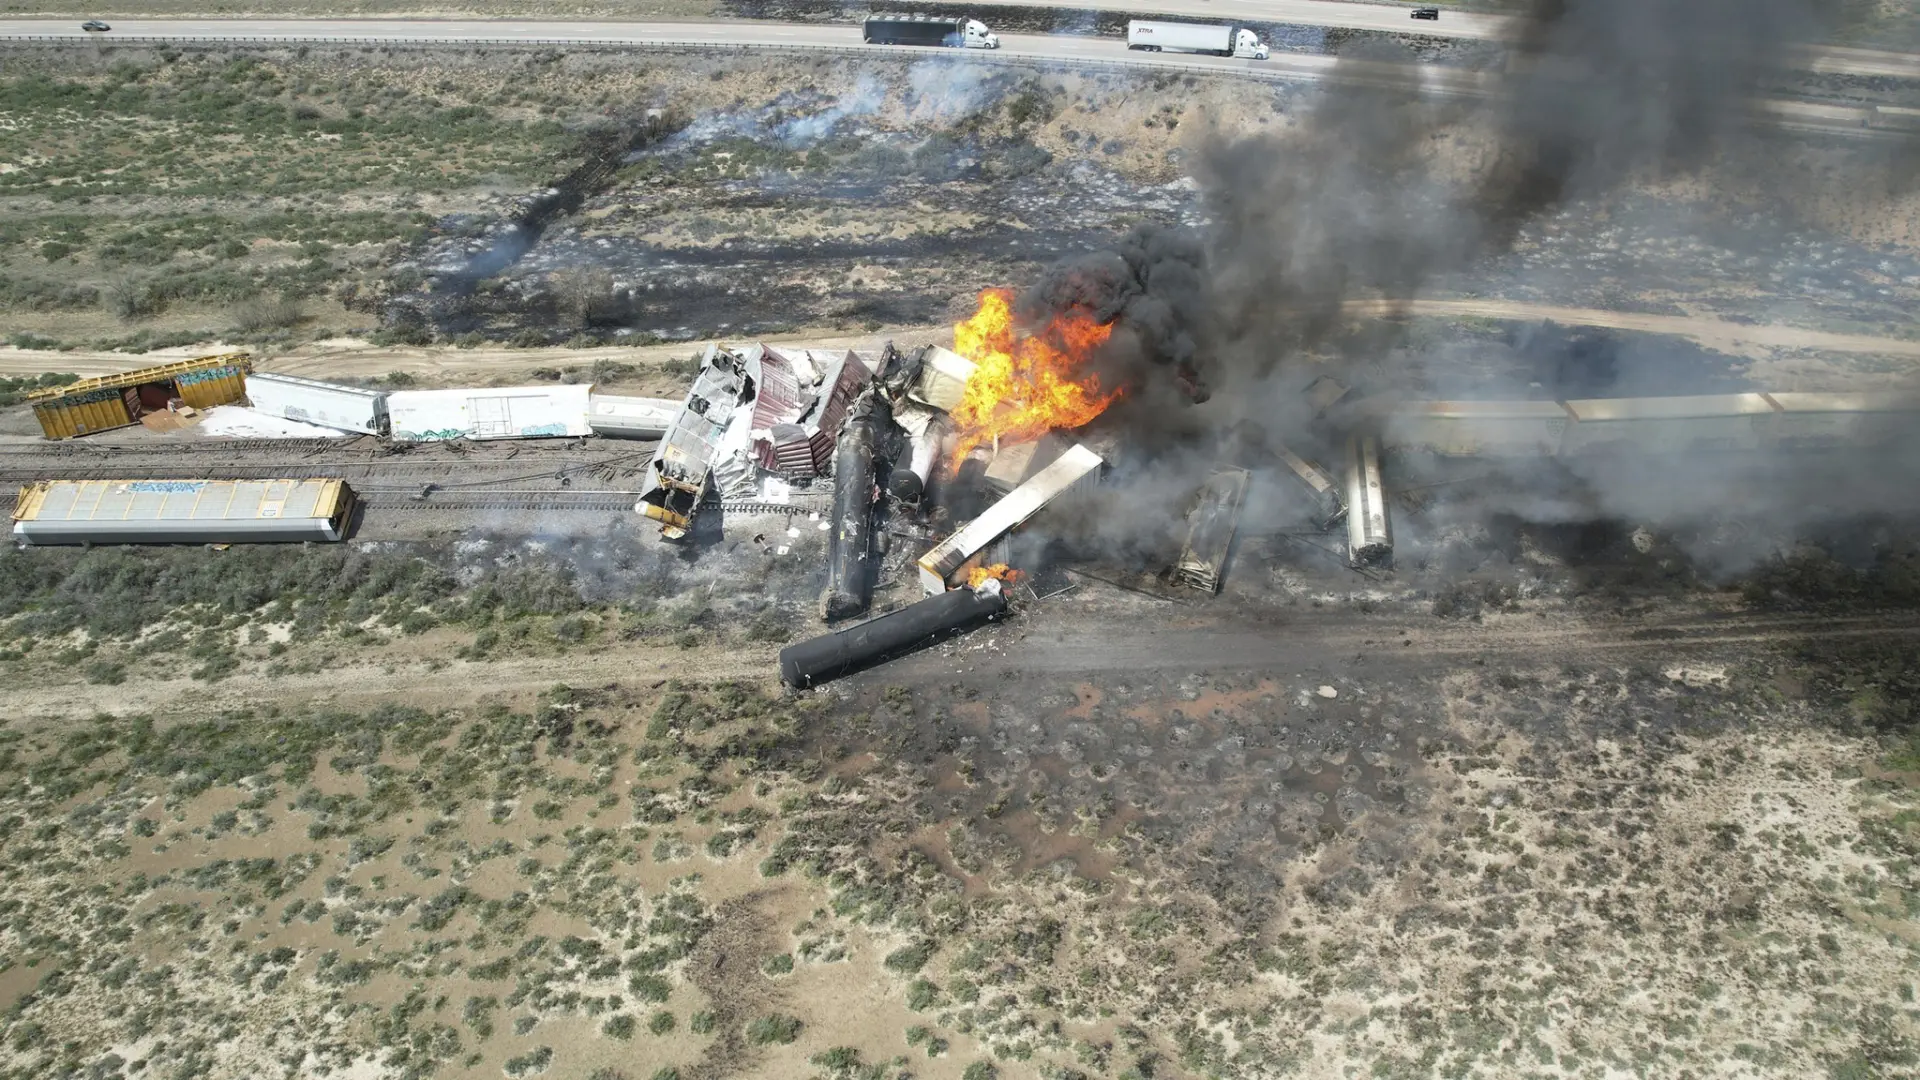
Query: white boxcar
point(1071, 474)
point(1815, 421)
point(1476, 428)
point(501, 412)
point(630, 417)
point(1668, 425)
point(347, 408)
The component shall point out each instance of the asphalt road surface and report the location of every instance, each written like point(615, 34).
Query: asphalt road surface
point(1830, 60)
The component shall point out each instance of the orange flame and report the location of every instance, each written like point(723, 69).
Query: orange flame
point(1022, 389)
point(979, 575)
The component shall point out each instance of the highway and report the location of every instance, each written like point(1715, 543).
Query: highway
point(1433, 79)
point(1833, 60)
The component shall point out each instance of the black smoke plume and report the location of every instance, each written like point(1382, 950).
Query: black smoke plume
point(1383, 188)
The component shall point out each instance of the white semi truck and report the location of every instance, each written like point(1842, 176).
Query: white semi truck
point(1210, 38)
point(927, 30)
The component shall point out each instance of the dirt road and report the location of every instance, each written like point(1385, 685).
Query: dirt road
point(1056, 644)
point(1056, 647)
point(349, 358)
point(1713, 333)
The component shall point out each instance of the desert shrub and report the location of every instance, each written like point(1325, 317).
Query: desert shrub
point(909, 959)
point(608, 371)
point(922, 995)
point(649, 988)
point(403, 333)
point(620, 1026)
point(438, 911)
point(535, 1061)
point(773, 1028)
point(266, 313)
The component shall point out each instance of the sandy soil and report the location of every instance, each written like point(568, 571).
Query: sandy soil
point(1732, 337)
point(349, 358)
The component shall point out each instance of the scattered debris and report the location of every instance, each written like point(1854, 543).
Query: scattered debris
point(239, 422)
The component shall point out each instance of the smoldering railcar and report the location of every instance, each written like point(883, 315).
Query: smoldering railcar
point(1369, 539)
point(1210, 529)
point(1668, 425)
point(1477, 428)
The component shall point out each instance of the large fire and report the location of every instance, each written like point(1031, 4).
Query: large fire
point(980, 575)
point(1023, 388)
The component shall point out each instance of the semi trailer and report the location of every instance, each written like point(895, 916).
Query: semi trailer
point(1212, 39)
point(929, 31)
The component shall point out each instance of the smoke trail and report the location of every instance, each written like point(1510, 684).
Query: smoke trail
point(1384, 192)
point(1382, 189)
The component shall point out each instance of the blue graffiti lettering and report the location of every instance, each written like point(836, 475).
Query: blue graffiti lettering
point(170, 487)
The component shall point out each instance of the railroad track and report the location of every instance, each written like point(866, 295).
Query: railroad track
point(449, 471)
point(563, 501)
point(198, 447)
point(410, 499)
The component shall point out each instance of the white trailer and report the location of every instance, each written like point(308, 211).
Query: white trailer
point(1212, 39)
point(497, 412)
point(310, 401)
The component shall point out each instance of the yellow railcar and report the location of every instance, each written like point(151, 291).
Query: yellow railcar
point(114, 401)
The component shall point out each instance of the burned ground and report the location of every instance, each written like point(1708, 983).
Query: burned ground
point(1345, 833)
point(798, 192)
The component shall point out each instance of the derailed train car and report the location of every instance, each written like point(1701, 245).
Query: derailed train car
point(183, 511)
point(1369, 534)
point(116, 401)
point(682, 467)
point(1210, 529)
point(1702, 423)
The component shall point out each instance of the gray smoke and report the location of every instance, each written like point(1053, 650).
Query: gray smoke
point(1382, 189)
point(1382, 192)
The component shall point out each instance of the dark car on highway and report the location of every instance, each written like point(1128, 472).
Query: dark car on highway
point(1426, 13)
point(95, 26)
